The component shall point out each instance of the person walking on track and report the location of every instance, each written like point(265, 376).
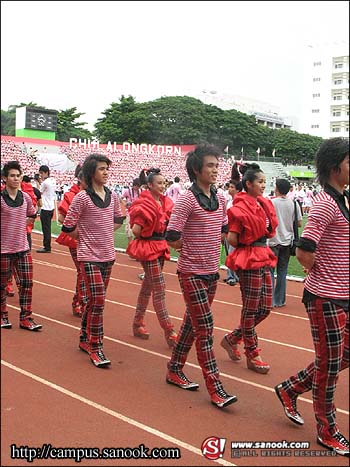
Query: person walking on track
point(252, 219)
point(79, 297)
point(196, 228)
point(149, 216)
point(323, 250)
point(92, 217)
point(17, 211)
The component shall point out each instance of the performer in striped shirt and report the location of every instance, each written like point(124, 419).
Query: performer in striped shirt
point(196, 227)
point(324, 253)
point(92, 218)
point(252, 219)
point(17, 211)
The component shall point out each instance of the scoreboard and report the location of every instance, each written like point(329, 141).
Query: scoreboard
point(40, 119)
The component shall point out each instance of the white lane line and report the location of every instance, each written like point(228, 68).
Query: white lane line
point(113, 413)
point(123, 251)
point(179, 319)
point(157, 354)
point(67, 268)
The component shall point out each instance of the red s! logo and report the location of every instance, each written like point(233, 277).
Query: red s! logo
point(213, 447)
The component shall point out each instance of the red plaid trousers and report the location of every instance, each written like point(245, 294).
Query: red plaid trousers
point(197, 326)
point(256, 291)
point(21, 265)
point(96, 277)
point(330, 333)
point(153, 284)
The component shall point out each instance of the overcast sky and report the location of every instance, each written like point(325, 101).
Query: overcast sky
point(87, 54)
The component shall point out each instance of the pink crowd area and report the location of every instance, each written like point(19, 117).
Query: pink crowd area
point(125, 165)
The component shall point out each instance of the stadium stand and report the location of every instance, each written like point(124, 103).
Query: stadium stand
point(125, 165)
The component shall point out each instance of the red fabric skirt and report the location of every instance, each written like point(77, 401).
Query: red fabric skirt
point(251, 257)
point(148, 250)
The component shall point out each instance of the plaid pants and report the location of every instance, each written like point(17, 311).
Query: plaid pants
point(330, 333)
point(256, 291)
point(22, 265)
point(197, 326)
point(96, 277)
point(153, 283)
point(79, 297)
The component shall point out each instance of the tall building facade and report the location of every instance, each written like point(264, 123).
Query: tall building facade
point(326, 109)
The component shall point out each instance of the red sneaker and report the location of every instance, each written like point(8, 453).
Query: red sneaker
point(181, 381)
point(99, 359)
point(337, 443)
point(29, 324)
point(221, 399)
point(84, 346)
point(5, 323)
point(289, 405)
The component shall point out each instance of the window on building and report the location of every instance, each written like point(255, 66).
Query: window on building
point(336, 129)
point(316, 95)
point(337, 97)
point(338, 81)
point(315, 111)
point(316, 79)
point(317, 63)
point(315, 126)
point(336, 113)
point(338, 65)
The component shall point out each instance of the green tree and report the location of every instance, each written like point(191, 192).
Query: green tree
point(125, 120)
point(8, 122)
point(185, 120)
point(8, 118)
point(69, 127)
point(292, 145)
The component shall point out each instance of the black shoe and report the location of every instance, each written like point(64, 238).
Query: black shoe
point(231, 282)
point(43, 250)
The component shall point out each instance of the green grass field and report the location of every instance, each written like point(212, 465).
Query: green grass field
point(120, 241)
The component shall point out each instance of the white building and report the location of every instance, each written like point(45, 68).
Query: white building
point(264, 113)
point(326, 110)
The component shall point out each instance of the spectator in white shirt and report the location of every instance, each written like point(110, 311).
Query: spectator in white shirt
point(48, 196)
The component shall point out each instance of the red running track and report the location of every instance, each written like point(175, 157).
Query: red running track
point(51, 392)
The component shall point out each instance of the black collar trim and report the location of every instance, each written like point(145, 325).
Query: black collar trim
point(209, 204)
point(13, 203)
point(99, 201)
point(339, 198)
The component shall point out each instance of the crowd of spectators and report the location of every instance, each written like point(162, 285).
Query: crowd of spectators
point(125, 165)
